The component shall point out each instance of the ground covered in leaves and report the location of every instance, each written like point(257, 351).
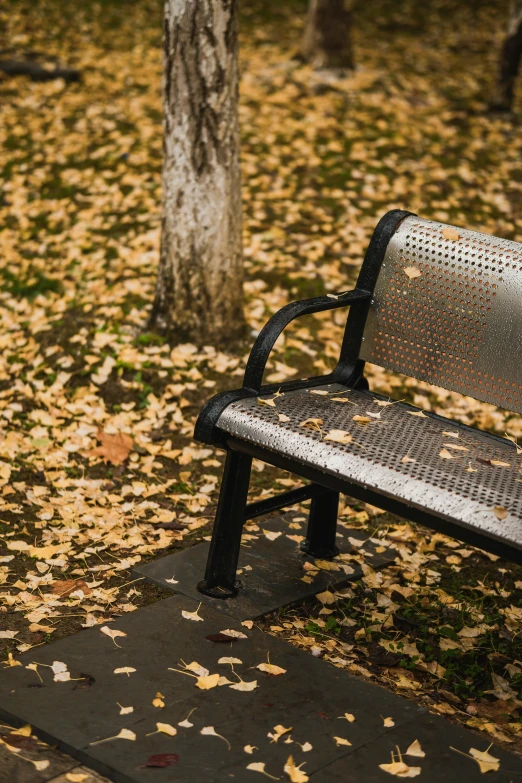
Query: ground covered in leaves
point(98, 469)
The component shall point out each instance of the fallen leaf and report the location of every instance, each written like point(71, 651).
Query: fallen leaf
point(114, 448)
point(125, 710)
point(406, 459)
point(270, 668)
point(450, 233)
point(234, 634)
point(312, 424)
point(341, 741)
point(348, 716)
point(112, 633)
point(485, 760)
point(8, 634)
point(192, 615)
point(64, 587)
point(207, 682)
point(283, 417)
point(266, 401)
point(445, 454)
point(419, 414)
point(400, 769)
point(500, 512)
point(388, 723)
point(209, 731)
point(295, 774)
point(361, 419)
point(412, 272)
point(157, 701)
point(259, 766)
point(338, 436)
point(125, 734)
point(125, 670)
point(499, 464)
point(415, 750)
point(250, 748)
point(162, 760)
point(278, 731)
point(231, 661)
point(166, 728)
point(244, 686)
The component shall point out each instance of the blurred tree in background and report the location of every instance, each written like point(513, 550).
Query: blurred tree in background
point(502, 98)
point(327, 40)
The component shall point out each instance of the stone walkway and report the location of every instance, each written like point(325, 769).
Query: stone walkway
point(180, 684)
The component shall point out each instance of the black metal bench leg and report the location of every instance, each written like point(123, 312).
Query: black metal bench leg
point(220, 574)
point(322, 526)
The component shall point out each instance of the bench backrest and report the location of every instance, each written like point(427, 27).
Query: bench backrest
point(447, 309)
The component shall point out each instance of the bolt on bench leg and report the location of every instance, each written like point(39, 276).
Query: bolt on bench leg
point(322, 526)
point(220, 574)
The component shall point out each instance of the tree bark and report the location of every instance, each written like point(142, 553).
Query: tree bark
point(327, 40)
point(503, 92)
point(199, 287)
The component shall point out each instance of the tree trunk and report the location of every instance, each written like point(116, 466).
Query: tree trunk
point(327, 40)
point(199, 288)
point(502, 97)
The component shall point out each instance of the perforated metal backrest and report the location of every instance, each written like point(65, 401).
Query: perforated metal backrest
point(447, 309)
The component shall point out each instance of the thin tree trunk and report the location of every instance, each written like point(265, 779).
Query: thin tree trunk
point(199, 288)
point(502, 97)
point(327, 40)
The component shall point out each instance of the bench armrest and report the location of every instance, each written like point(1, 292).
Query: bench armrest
point(279, 321)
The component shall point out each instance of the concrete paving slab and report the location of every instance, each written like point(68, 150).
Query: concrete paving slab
point(270, 571)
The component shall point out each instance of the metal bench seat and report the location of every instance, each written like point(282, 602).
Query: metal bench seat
point(397, 455)
point(438, 303)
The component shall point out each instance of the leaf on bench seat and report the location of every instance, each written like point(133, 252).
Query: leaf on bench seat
point(412, 272)
point(450, 233)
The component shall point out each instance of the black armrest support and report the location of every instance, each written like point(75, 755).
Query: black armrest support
point(205, 430)
point(279, 321)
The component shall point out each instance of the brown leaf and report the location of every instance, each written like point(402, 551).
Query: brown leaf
point(114, 448)
point(162, 760)
point(64, 587)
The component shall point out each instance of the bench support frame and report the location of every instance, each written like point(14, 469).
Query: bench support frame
point(232, 510)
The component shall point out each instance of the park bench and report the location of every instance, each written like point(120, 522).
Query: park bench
point(437, 303)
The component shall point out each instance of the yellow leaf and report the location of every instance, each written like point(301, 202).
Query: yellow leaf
point(485, 760)
point(208, 682)
point(283, 417)
point(278, 730)
point(450, 233)
point(191, 615)
point(445, 454)
point(361, 419)
point(295, 774)
point(270, 668)
point(348, 716)
point(455, 447)
point(166, 728)
point(400, 769)
point(412, 272)
point(266, 401)
point(500, 512)
point(388, 723)
point(419, 414)
point(244, 686)
point(259, 766)
point(312, 424)
point(112, 633)
point(339, 436)
point(499, 464)
point(415, 750)
point(405, 460)
point(341, 741)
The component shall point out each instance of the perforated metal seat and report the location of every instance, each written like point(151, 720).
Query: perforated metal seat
point(397, 454)
point(439, 303)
